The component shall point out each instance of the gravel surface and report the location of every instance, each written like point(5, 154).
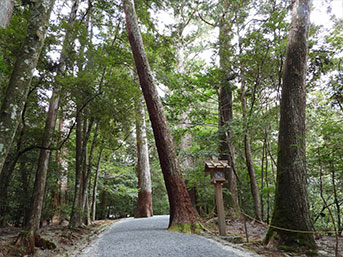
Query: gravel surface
point(149, 237)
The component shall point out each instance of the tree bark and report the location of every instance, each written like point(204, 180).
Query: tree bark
point(5, 179)
point(226, 147)
point(291, 208)
point(76, 213)
point(44, 156)
point(249, 160)
point(95, 184)
point(144, 202)
point(43, 163)
point(86, 182)
point(6, 10)
point(21, 77)
point(62, 181)
point(336, 201)
point(181, 210)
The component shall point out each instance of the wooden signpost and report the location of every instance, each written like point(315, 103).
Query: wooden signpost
point(216, 169)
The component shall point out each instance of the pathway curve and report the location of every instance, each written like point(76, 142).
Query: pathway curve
point(148, 237)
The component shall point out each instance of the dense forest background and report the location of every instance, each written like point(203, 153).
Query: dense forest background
point(86, 62)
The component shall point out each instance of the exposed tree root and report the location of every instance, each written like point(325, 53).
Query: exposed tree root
point(26, 242)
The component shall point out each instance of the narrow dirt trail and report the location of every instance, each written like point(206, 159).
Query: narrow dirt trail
point(149, 237)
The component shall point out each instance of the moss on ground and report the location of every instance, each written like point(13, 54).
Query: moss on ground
point(187, 228)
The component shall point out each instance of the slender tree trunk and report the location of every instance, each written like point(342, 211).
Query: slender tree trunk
point(95, 185)
point(263, 171)
point(267, 183)
point(21, 77)
point(181, 210)
point(6, 10)
point(25, 205)
point(76, 213)
point(88, 174)
point(102, 212)
point(336, 201)
point(62, 181)
point(44, 157)
point(291, 208)
point(249, 160)
point(82, 136)
point(41, 175)
point(144, 202)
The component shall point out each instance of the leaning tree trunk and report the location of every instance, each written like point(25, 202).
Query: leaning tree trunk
point(144, 202)
point(181, 210)
point(21, 77)
point(226, 147)
point(6, 10)
point(291, 210)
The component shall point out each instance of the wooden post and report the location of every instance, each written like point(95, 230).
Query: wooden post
point(216, 169)
point(220, 209)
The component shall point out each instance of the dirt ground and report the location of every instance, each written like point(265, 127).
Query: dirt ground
point(69, 242)
point(256, 232)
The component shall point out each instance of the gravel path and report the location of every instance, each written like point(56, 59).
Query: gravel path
point(148, 237)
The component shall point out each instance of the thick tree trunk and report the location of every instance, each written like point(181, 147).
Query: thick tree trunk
point(291, 209)
point(6, 10)
point(226, 147)
point(181, 210)
point(249, 160)
point(144, 202)
point(21, 77)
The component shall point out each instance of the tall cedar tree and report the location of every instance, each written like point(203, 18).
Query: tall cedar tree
point(291, 209)
point(21, 77)
point(17, 92)
point(226, 147)
point(144, 202)
point(50, 123)
point(181, 210)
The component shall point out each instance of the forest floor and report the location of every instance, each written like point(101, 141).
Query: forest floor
point(256, 232)
point(70, 241)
